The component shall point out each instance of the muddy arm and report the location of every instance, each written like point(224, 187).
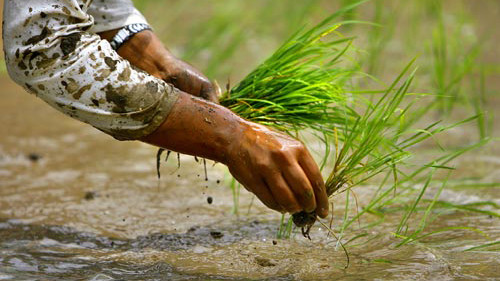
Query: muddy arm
point(278, 169)
point(50, 52)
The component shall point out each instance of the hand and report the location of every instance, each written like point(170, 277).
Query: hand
point(278, 170)
point(145, 51)
point(274, 166)
point(188, 79)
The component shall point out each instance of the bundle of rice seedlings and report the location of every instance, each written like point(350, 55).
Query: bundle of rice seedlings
point(370, 146)
point(301, 85)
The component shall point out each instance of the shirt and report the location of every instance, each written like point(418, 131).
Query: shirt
point(52, 50)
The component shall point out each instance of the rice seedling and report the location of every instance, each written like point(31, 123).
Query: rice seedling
point(235, 189)
point(491, 246)
point(3, 68)
point(285, 229)
point(298, 87)
point(379, 141)
point(448, 74)
point(221, 39)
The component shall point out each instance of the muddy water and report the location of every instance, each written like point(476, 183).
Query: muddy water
point(78, 205)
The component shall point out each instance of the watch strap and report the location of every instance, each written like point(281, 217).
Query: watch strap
point(126, 32)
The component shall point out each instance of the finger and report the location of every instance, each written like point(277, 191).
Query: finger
point(299, 183)
point(258, 187)
point(282, 193)
point(264, 194)
point(209, 92)
point(313, 173)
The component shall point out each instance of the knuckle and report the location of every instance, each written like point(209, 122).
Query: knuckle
point(285, 156)
point(206, 85)
point(298, 150)
point(301, 150)
point(262, 165)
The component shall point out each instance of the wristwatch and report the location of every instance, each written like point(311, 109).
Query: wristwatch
point(126, 32)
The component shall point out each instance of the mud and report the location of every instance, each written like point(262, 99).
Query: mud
point(69, 43)
point(37, 38)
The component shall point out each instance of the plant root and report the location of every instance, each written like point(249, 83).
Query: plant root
point(158, 155)
point(305, 221)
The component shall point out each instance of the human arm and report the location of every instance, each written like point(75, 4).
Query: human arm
point(277, 168)
point(51, 53)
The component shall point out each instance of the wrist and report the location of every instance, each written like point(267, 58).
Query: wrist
point(243, 137)
point(143, 50)
point(231, 136)
point(200, 128)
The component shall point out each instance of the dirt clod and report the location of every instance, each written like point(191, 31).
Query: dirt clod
point(264, 262)
point(216, 234)
point(34, 157)
point(90, 195)
point(305, 221)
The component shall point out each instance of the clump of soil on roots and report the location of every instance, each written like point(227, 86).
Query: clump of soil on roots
point(305, 221)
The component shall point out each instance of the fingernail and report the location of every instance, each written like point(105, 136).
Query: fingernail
point(322, 212)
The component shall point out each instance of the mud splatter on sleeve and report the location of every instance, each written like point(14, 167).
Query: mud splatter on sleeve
point(50, 51)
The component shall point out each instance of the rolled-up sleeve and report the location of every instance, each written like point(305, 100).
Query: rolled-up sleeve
point(51, 51)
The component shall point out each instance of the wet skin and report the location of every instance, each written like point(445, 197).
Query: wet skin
point(278, 169)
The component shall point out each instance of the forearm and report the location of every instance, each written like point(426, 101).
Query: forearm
point(50, 52)
point(200, 128)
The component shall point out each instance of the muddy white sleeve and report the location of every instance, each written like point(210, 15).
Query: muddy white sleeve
point(50, 51)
